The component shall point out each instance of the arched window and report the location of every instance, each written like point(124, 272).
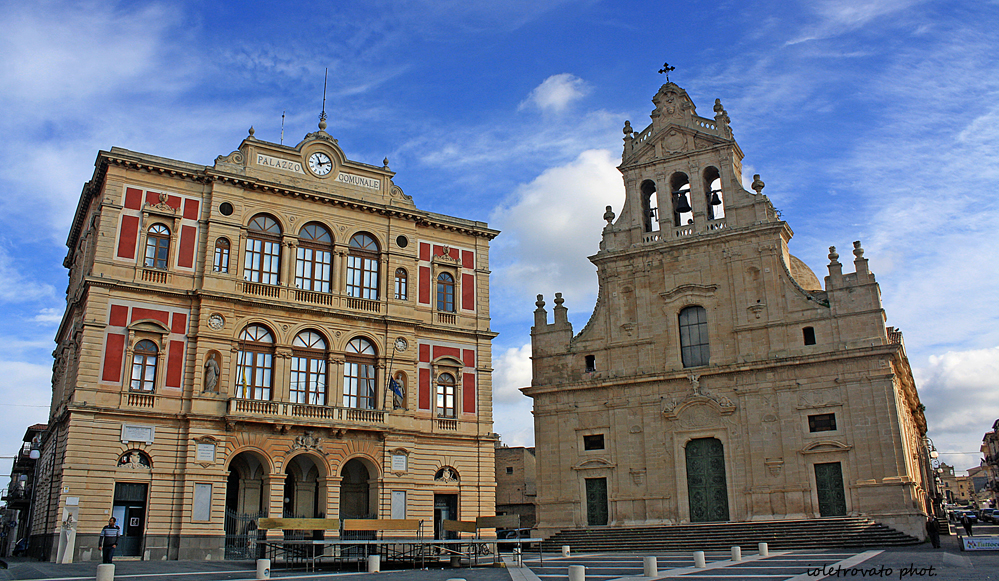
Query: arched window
point(401, 284)
point(143, 366)
point(221, 263)
point(263, 250)
point(680, 188)
point(445, 292)
point(694, 336)
point(362, 267)
point(445, 395)
point(713, 198)
point(255, 363)
point(359, 375)
point(650, 205)
point(315, 259)
point(308, 369)
point(157, 246)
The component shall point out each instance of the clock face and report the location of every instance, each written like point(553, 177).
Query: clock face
point(320, 163)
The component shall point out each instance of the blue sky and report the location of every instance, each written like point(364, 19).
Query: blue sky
point(868, 120)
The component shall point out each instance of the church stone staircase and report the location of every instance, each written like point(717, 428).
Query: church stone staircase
point(823, 533)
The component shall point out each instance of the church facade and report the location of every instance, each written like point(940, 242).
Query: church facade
point(282, 333)
point(717, 379)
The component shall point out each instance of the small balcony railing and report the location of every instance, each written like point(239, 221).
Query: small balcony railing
point(447, 318)
point(261, 290)
point(316, 298)
point(140, 400)
point(447, 425)
point(261, 408)
point(153, 275)
point(366, 305)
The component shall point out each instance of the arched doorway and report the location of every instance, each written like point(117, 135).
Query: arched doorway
point(357, 491)
point(245, 501)
point(304, 488)
point(707, 489)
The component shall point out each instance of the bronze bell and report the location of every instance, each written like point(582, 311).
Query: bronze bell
point(715, 200)
point(681, 206)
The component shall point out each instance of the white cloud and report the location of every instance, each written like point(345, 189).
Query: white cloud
point(512, 371)
point(556, 93)
point(25, 389)
point(16, 287)
point(48, 316)
point(959, 391)
point(550, 226)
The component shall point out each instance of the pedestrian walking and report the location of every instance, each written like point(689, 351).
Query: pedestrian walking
point(933, 531)
point(967, 525)
point(109, 540)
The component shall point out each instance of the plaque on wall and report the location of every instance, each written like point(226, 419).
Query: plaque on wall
point(399, 463)
point(205, 453)
point(137, 433)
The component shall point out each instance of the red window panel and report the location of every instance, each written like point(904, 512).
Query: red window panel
point(467, 259)
point(114, 348)
point(178, 323)
point(119, 316)
point(438, 250)
point(188, 235)
point(468, 393)
point(424, 399)
point(441, 351)
point(128, 236)
point(468, 292)
point(133, 199)
point(152, 198)
point(139, 313)
point(468, 357)
point(424, 353)
point(191, 209)
point(175, 364)
point(424, 296)
point(424, 252)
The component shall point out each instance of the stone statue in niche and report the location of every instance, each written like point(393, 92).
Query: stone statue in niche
point(212, 372)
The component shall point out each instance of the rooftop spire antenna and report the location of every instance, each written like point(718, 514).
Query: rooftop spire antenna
point(322, 116)
point(666, 70)
point(282, 127)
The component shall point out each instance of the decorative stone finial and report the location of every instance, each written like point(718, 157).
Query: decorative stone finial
point(252, 131)
point(758, 184)
point(833, 257)
point(628, 130)
point(540, 302)
point(857, 250)
point(558, 299)
point(322, 123)
point(609, 215)
point(385, 163)
point(718, 106)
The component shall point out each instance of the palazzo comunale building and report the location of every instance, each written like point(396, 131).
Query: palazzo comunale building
point(717, 379)
point(227, 348)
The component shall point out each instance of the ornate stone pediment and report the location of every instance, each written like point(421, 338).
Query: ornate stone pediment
point(689, 290)
point(594, 464)
point(825, 446)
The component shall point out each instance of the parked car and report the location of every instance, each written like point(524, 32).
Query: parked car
point(987, 515)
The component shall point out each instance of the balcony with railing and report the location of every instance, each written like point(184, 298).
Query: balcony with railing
point(154, 275)
point(447, 318)
point(251, 408)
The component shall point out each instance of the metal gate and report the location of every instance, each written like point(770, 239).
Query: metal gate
point(241, 534)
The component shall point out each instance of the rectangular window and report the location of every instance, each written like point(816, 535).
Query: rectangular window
point(202, 503)
point(822, 423)
point(509, 469)
point(591, 363)
point(593, 442)
point(262, 261)
point(359, 386)
point(808, 334)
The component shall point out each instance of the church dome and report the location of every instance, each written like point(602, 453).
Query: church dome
point(803, 275)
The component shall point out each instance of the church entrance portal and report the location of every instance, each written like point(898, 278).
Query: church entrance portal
point(707, 489)
point(829, 489)
point(596, 501)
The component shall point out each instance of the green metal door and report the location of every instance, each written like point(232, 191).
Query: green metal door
point(829, 487)
point(706, 487)
point(596, 501)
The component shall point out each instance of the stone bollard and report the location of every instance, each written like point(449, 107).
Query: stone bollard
point(736, 553)
point(764, 550)
point(650, 567)
point(374, 563)
point(577, 573)
point(263, 568)
point(105, 572)
point(565, 550)
point(699, 560)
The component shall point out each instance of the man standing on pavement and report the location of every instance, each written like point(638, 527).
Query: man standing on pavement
point(109, 539)
point(967, 524)
point(933, 531)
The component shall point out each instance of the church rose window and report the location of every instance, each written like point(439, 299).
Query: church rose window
point(694, 349)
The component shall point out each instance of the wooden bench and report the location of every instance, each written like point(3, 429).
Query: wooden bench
point(298, 524)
